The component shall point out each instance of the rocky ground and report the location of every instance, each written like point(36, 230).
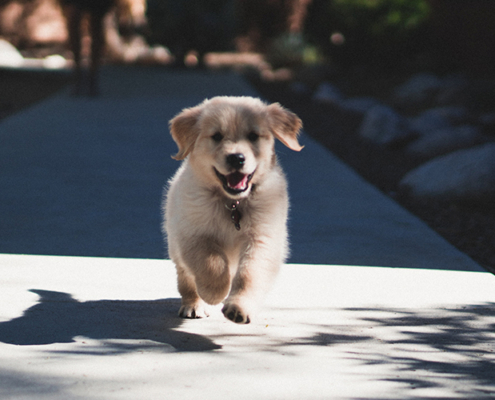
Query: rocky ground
point(385, 160)
point(334, 114)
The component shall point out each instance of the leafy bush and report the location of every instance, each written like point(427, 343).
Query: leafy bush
point(373, 30)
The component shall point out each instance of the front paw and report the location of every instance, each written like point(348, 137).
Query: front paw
point(235, 313)
point(213, 289)
point(194, 310)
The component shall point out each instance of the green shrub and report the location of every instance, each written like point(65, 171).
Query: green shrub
point(373, 30)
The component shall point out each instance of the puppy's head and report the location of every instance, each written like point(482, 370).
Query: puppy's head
point(229, 141)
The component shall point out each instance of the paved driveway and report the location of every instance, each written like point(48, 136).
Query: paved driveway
point(88, 305)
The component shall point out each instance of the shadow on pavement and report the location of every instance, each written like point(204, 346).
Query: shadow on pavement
point(431, 348)
point(444, 342)
point(121, 326)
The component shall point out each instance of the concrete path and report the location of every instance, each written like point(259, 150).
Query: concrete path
point(91, 313)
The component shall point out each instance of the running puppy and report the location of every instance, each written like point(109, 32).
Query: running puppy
point(226, 207)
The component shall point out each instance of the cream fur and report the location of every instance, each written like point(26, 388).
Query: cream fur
point(214, 261)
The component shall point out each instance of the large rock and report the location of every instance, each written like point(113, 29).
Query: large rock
point(384, 126)
point(454, 114)
point(444, 141)
point(463, 176)
point(419, 89)
point(359, 105)
point(427, 122)
point(328, 93)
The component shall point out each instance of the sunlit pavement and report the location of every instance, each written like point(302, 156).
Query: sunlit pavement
point(372, 305)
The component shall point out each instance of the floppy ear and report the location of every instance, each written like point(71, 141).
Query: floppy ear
point(184, 130)
point(285, 125)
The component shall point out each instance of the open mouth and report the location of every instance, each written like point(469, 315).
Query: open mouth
point(235, 182)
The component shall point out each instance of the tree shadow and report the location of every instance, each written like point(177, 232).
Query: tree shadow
point(445, 349)
point(437, 347)
point(123, 326)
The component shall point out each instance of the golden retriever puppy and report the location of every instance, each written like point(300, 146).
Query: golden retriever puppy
point(226, 207)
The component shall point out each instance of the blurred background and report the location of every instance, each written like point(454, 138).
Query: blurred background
point(309, 40)
point(439, 34)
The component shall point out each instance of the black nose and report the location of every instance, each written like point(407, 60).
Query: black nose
point(236, 161)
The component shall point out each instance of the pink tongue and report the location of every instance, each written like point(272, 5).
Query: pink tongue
point(236, 180)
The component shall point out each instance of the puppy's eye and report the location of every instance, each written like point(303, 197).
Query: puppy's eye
point(253, 136)
point(217, 137)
